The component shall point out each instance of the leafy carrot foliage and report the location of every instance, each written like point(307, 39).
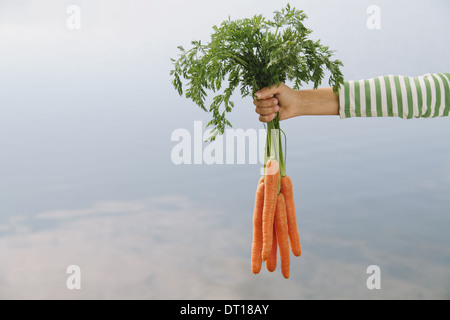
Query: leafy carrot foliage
point(249, 54)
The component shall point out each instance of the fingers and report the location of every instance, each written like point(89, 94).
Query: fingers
point(267, 114)
point(267, 92)
point(267, 118)
point(266, 108)
point(266, 103)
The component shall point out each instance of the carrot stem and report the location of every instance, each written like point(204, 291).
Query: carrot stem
point(274, 146)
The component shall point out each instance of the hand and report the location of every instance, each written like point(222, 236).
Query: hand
point(292, 103)
point(281, 99)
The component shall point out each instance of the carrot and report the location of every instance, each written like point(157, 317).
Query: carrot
point(271, 263)
point(261, 180)
point(257, 229)
point(288, 193)
point(281, 228)
point(270, 201)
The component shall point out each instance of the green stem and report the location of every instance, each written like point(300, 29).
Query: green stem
point(274, 146)
point(238, 60)
point(283, 167)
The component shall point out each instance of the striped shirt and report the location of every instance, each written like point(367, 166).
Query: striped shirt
point(427, 96)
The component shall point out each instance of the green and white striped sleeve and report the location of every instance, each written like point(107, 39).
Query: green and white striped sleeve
point(427, 96)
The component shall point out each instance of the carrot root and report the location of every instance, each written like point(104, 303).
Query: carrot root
point(275, 230)
point(270, 201)
point(288, 193)
point(257, 230)
point(282, 235)
point(271, 263)
point(261, 180)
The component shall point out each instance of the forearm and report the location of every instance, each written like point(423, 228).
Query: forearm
point(389, 96)
point(321, 101)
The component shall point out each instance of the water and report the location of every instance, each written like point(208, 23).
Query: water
point(87, 177)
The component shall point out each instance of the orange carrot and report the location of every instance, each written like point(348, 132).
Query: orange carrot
point(257, 229)
point(270, 202)
point(261, 180)
point(282, 235)
point(288, 193)
point(271, 263)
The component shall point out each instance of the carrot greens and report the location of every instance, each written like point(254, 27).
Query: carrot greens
point(249, 54)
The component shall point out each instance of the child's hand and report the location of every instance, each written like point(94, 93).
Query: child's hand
point(282, 99)
point(292, 103)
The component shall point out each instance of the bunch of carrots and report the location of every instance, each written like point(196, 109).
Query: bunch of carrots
point(274, 221)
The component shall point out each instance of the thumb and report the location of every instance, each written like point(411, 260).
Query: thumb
point(268, 92)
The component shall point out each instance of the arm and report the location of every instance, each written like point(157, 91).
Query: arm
point(426, 96)
point(292, 103)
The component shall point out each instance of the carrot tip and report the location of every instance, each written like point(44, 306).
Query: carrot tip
point(271, 268)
